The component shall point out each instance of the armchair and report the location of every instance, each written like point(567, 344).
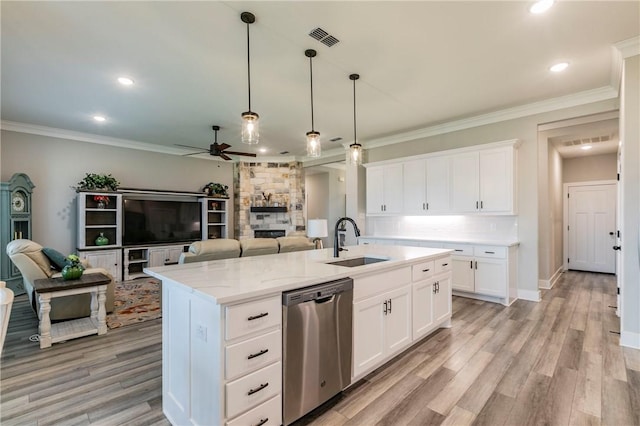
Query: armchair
point(33, 264)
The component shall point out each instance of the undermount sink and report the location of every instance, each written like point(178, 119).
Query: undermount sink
point(357, 261)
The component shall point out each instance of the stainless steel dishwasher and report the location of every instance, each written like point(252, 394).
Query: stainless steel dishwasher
point(316, 345)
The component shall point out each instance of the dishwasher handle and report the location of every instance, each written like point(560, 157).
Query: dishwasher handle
point(325, 299)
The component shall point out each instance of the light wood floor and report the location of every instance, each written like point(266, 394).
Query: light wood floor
point(556, 362)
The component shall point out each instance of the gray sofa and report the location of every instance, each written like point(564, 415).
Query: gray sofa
point(228, 248)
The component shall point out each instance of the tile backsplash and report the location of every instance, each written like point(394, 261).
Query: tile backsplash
point(450, 227)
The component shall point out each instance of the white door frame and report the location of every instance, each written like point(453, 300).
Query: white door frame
point(565, 213)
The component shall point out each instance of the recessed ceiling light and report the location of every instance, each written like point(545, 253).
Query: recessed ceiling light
point(262, 150)
point(99, 118)
point(559, 67)
point(541, 6)
point(125, 81)
point(586, 147)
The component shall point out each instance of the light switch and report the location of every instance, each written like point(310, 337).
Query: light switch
point(201, 332)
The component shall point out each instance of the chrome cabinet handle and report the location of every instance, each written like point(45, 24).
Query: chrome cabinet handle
point(262, 352)
point(255, 317)
point(258, 389)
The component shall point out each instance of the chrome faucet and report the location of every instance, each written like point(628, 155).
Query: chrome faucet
point(336, 243)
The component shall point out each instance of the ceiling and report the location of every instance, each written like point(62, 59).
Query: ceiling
point(421, 64)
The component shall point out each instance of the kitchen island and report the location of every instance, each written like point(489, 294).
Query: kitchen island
point(222, 335)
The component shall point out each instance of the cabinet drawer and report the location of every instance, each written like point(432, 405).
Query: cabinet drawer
point(253, 389)
point(248, 317)
point(459, 249)
point(442, 264)
point(490, 251)
point(253, 353)
point(422, 270)
point(379, 283)
point(266, 414)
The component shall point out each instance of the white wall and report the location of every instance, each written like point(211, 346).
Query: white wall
point(525, 129)
point(590, 168)
point(54, 165)
point(556, 174)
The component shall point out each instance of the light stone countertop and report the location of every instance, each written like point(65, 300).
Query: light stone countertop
point(475, 241)
point(234, 280)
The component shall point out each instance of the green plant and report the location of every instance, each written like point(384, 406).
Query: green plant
point(94, 181)
point(216, 189)
point(73, 260)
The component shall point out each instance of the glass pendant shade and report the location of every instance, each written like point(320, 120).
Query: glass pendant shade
point(313, 144)
point(250, 128)
point(355, 154)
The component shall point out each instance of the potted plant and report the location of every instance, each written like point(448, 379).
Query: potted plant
point(216, 190)
point(73, 269)
point(97, 182)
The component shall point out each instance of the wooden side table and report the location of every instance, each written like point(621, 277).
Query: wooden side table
point(48, 288)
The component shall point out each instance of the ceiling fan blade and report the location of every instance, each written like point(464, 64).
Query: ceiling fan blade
point(194, 147)
point(223, 155)
point(247, 154)
point(223, 146)
point(195, 153)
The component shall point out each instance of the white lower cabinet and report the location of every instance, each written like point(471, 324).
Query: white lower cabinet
point(268, 414)
point(107, 259)
point(431, 296)
point(161, 256)
point(381, 327)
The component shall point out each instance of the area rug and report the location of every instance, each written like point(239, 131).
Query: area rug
point(135, 301)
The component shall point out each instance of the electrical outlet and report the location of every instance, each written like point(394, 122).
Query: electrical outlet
point(492, 227)
point(201, 332)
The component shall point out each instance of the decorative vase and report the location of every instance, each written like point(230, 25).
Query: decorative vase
point(72, 272)
point(101, 240)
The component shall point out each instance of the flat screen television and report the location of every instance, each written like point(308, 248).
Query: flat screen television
point(154, 221)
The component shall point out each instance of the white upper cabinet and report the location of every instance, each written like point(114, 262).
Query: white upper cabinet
point(477, 180)
point(384, 189)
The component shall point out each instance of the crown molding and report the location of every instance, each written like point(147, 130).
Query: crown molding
point(629, 47)
point(568, 101)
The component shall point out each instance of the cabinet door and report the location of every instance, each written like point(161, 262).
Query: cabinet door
point(368, 333)
point(438, 176)
point(491, 277)
point(442, 299)
point(393, 188)
point(375, 185)
point(464, 182)
point(422, 307)
point(398, 320)
point(107, 259)
point(496, 180)
point(414, 187)
point(462, 272)
point(157, 256)
point(173, 254)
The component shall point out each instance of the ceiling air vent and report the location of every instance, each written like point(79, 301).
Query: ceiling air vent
point(323, 37)
point(335, 139)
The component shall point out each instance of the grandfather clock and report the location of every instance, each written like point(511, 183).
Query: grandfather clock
point(15, 223)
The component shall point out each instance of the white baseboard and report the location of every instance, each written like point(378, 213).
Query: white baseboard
point(531, 295)
point(548, 284)
point(630, 340)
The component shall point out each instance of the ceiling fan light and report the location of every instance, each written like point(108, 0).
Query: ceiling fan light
point(355, 154)
point(250, 128)
point(313, 144)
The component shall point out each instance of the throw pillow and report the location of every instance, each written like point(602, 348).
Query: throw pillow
point(57, 259)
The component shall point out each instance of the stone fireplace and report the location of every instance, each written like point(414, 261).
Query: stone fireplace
point(268, 197)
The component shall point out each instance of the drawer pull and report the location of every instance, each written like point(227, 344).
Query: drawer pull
point(445, 264)
point(262, 352)
point(458, 250)
point(255, 317)
point(258, 389)
point(490, 252)
point(426, 270)
point(262, 421)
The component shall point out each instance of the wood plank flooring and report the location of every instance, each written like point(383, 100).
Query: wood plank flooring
point(556, 362)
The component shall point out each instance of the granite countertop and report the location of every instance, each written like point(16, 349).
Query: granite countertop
point(233, 280)
point(478, 241)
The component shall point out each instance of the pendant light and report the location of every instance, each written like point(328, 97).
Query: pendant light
point(250, 119)
point(355, 149)
point(313, 137)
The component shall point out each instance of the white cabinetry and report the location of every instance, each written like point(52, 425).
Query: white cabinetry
point(135, 259)
point(384, 189)
point(107, 259)
point(215, 218)
point(483, 181)
point(426, 186)
point(485, 272)
point(222, 364)
point(438, 175)
point(168, 255)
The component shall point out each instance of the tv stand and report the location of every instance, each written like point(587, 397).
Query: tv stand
point(136, 258)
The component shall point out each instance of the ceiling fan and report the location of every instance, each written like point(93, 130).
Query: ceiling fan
point(218, 149)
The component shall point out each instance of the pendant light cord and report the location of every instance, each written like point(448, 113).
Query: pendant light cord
point(248, 67)
point(355, 138)
point(311, 74)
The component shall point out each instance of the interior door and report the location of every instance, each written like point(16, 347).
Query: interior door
point(592, 228)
